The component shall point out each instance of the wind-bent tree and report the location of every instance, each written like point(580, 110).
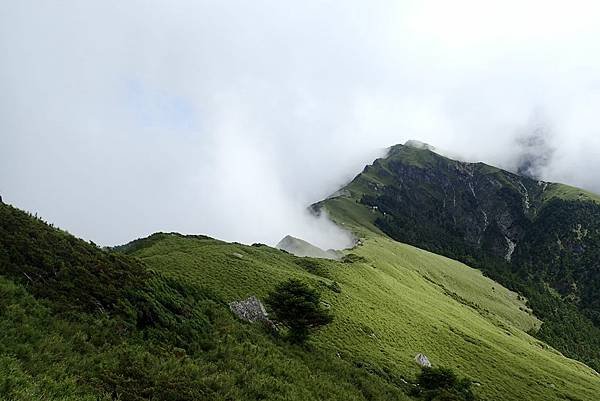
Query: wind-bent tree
point(297, 306)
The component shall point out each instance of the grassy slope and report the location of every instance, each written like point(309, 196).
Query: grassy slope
point(45, 357)
point(65, 333)
point(396, 302)
point(567, 192)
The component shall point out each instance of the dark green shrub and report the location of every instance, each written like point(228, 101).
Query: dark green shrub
point(297, 306)
point(335, 287)
point(353, 258)
point(441, 384)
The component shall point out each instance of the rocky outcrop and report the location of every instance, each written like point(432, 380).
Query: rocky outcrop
point(474, 205)
point(422, 361)
point(250, 310)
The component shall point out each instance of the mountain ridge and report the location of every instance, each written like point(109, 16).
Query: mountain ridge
point(490, 219)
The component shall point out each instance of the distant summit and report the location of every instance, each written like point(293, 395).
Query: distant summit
point(299, 247)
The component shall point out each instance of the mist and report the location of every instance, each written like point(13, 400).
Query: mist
point(229, 118)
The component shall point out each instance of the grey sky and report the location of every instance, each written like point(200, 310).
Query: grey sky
point(121, 118)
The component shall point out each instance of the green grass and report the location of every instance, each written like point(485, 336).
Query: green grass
point(352, 215)
point(413, 156)
point(566, 192)
point(45, 357)
point(396, 301)
point(81, 323)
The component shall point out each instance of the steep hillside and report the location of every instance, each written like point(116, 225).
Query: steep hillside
point(539, 238)
point(80, 323)
point(391, 302)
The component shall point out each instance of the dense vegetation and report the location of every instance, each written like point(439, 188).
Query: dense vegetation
point(437, 384)
point(517, 230)
point(71, 273)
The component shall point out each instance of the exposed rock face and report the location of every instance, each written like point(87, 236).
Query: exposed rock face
point(422, 361)
point(250, 310)
point(473, 204)
point(511, 249)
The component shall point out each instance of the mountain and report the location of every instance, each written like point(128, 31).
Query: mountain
point(299, 247)
point(538, 238)
point(151, 319)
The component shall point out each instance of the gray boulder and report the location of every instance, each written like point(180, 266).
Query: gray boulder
point(250, 310)
point(422, 361)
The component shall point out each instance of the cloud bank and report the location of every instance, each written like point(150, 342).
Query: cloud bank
point(118, 119)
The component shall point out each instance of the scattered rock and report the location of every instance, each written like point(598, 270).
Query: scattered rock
point(238, 255)
point(422, 361)
point(250, 310)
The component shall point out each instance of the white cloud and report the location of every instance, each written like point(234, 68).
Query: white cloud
point(118, 119)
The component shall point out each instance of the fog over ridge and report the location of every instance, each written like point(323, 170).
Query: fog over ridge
point(119, 119)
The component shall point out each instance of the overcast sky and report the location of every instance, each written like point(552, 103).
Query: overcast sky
point(227, 118)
